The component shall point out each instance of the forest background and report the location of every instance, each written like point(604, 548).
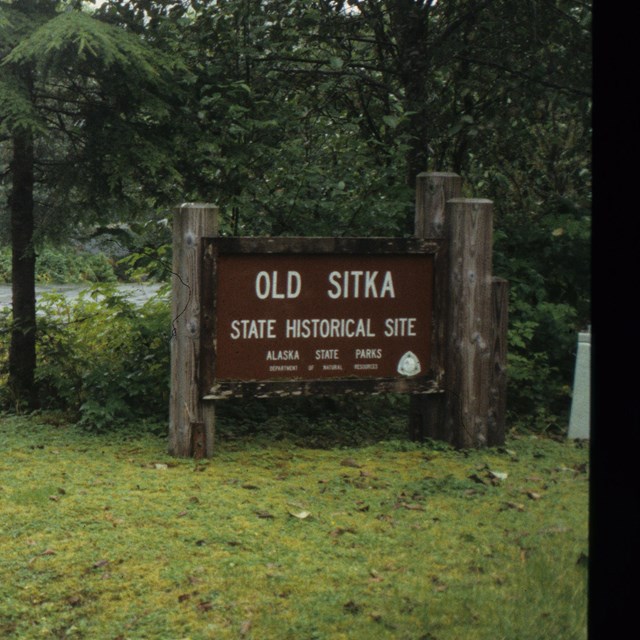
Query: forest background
point(295, 118)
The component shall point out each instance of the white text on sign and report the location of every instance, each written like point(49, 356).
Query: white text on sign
point(342, 284)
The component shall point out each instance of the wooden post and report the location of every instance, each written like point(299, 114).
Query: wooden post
point(498, 386)
point(427, 413)
point(469, 228)
point(433, 189)
point(191, 421)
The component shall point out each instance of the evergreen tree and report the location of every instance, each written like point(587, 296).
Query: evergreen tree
point(82, 104)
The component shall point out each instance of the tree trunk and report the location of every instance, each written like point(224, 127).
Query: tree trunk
point(22, 351)
point(399, 29)
point(409, 22)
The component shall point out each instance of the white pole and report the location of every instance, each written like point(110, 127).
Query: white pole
point(579, 422)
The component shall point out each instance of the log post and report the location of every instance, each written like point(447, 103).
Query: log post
point(191, 421)
point(469, 228)
point(498, 385)
point(427, 411)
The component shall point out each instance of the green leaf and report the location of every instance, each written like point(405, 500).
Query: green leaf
point(391, 121)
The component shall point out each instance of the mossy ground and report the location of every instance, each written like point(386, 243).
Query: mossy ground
point(105, 536)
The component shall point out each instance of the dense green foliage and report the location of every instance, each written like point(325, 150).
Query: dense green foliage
point(83, 104)
point(313, 118)
point(106, 536)
point(91, 97)
point(103, 359)
point(62, 265)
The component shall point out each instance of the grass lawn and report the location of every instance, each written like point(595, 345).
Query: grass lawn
point(107, 537)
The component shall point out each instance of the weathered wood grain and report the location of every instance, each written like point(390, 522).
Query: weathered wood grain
point(433, 189)
point(192, 221)
point(469, 227)
point(427, 414)
point(319, 245)
point(461, 401)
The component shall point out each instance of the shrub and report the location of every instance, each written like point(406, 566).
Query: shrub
point(62, 265)
point(104, 359)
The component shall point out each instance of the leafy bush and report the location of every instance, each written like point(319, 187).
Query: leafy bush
point(5, 264)
point(63, 265)
point(104, 359)
point(547, 263)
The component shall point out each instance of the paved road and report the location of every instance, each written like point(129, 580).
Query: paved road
point(138, 293)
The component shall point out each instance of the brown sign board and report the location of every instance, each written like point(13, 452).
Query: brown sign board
point(287, 316)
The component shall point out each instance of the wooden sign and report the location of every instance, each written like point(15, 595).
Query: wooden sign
point(260, 317)
point(286, 316)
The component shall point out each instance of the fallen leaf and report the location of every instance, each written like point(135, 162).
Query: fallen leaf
point(161, 465)
point(264, 515)
point(338, 531)
point(438, 585)
point(350, 462)
point(533, 495)
point(555, 530)
point(100, 563)
point(498, 475)
point(513, 505)
point(301, 515)
point(412, 507)
point(46, 552)
point(352, 607)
